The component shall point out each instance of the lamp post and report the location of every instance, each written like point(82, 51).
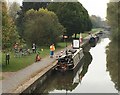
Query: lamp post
point(65, 37)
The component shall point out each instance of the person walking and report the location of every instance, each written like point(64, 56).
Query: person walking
point(34, 48)
point(52, 49)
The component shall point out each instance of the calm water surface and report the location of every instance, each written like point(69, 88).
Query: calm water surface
point(97, 79)
point(91, 77)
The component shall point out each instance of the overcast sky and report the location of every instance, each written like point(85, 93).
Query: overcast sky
point(94, 7)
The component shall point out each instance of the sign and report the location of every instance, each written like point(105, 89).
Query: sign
point(76, 44)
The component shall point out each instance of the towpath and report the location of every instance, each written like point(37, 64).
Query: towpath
point(20, 77)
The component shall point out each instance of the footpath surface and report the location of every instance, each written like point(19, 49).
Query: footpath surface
point(20, 77)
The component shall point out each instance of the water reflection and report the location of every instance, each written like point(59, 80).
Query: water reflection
point(112, 63)
point(97, 80)
point(91, 76)
point(87, 62)
point(68, 81)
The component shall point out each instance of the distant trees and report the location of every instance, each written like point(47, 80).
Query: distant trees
point(97, 22)
point(9, 33)
point(13, 9)
point(42, 27)
point(72, 15)
point(113, 18)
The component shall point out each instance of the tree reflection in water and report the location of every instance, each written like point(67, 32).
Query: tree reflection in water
point(112, 52)
point(67, 81)
point(87, 62)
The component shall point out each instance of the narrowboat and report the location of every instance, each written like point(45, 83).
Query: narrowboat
point(70, 60)
point(93, 40)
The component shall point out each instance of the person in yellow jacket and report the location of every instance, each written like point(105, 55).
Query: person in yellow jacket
point(52, 49)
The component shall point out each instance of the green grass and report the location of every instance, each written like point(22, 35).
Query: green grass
point(61, 45)
point(24, 61)
point(96, 29)
point(18, 63)
point(86, 33)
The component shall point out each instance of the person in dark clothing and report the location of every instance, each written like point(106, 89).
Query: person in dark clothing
point(34, 48)
point(7, 58)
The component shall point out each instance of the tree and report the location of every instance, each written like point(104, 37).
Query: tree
point(44, 25)
point(112, 65)
point(113, 13)
point(33, 5)
point(9, 33)
point(72, 15)
point(13, 9)
point(96, 21)
point(0, 25)
point(113, 19)
point(24, 8)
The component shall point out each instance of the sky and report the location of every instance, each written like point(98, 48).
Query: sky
point(94, 7)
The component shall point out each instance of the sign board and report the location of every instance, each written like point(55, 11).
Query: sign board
point(76, 44)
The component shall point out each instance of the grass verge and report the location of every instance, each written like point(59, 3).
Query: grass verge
point(24, 61)
point(18, 63)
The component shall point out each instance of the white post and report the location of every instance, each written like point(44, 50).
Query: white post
point(80, 38)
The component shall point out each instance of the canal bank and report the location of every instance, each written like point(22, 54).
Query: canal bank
point(92, 78)
point(25, 80)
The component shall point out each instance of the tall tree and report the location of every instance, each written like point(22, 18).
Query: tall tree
point(0, 25)
point(72, 15)
point(24, 8)
point(113, 18)
point(33, 5)
point(13, 9)
point(9, 33)
point(44, 25)
point(112, 65)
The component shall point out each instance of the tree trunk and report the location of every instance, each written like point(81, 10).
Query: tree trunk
point(75, 35)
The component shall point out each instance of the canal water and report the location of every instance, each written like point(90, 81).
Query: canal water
point(92, 77)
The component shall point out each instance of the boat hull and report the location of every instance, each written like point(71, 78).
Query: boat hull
point(70, 61)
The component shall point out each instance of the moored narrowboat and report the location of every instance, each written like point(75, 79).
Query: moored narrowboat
point(70, 60)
